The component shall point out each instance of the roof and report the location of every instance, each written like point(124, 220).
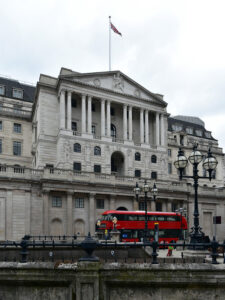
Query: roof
point(189, 122)
point(28, 90)
point(138, 212)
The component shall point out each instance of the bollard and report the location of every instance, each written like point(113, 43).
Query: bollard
point(214, 254)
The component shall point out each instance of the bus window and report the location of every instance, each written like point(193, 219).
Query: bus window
point(132, 218)
point(135, 234)
point(120, 217)
point(160, 218)
point(161, 233)
point(141, 218)
point(152, 218)
point(171, 218)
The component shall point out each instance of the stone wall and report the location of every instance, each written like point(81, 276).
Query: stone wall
point(87, 281)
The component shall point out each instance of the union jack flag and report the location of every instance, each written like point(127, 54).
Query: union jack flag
point(114, 29)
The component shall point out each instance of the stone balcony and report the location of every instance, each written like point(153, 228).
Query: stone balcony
point(15, 112)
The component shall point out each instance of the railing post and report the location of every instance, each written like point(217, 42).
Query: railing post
point(154, 252)
point(24, 245)
point(214, 255)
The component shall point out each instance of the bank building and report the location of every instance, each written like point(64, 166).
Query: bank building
point(75, 145)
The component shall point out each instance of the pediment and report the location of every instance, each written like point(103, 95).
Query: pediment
point(115, 81)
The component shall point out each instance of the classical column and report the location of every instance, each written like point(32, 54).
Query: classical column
point(157, 128)
point(164, 206)
point(45, 198)
point(27, 213)
point(153, 206)
point(62, 109)
point(69, 110)
point(9, 215)
point(141, 126)
point(112, 201)
point(92, 213)
point(169, 205)
point(69, 213)
point(102, 117)
point(124, 122)
point(162, 130)
point(146, 128)
point(83, 114)
point(89, 114)
point(130, 124)
point(108, 119)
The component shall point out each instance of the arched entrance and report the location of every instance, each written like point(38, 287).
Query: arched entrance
point(122, 208)
point(117, 163)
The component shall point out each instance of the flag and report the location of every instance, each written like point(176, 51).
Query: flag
point(114, 29)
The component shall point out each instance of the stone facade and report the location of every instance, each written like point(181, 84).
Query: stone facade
point(87, 138)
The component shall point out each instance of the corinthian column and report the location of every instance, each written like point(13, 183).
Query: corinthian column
point(162, 130)
point(102, 117)
point(157, 128)
point(69, 110)
point(146, 128)
point(124, 122)
point(83, 114)
point(89, 114)
point(130, 123)
point(108, 119)
point(141, 127)
point(62, 109)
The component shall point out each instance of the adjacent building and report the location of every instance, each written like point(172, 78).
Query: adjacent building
point(85, 139)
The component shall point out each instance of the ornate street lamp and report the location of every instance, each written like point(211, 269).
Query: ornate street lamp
point(145, 188)
point(209, 164)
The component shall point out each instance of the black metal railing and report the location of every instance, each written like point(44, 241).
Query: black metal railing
point(89, 245)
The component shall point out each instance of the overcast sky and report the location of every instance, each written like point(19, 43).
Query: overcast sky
point(172, 47)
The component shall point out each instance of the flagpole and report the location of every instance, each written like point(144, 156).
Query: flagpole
point(109, 43)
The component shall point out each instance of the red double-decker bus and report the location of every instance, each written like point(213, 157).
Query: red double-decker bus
point(131, 224)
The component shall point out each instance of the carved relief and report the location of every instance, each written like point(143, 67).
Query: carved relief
point(67, 151)
point(118, 82)
point(97, 82)
point(137, 93)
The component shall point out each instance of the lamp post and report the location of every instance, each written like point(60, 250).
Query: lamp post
point(145, 188)
point(181, 210)
point(209, 164)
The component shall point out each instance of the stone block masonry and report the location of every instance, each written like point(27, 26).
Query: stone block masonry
point(93, 281)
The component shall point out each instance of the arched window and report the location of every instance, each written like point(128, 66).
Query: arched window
point(97, 150)
point(137, 156)
point(77, 148)
point(113, 132)
point(154, 159)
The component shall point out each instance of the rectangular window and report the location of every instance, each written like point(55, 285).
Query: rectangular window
point(74, 103)
point(93, 106)
point(141, 206)
point(74, 126)
point(79, 203)
point(0, 125)
point(174, 207)
point(17, 148)
point(93, 129)
point(154, 175)
point(18, 93)
point(56, 201)
point(100, 204)
point(2, 90)
point(158, 206)
point(77, 167)
point(137, 173)
point(17, 127)
point(97, 168)
point(0, 146)
point(169, 152)
point(169, 168)
point(112, 111)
